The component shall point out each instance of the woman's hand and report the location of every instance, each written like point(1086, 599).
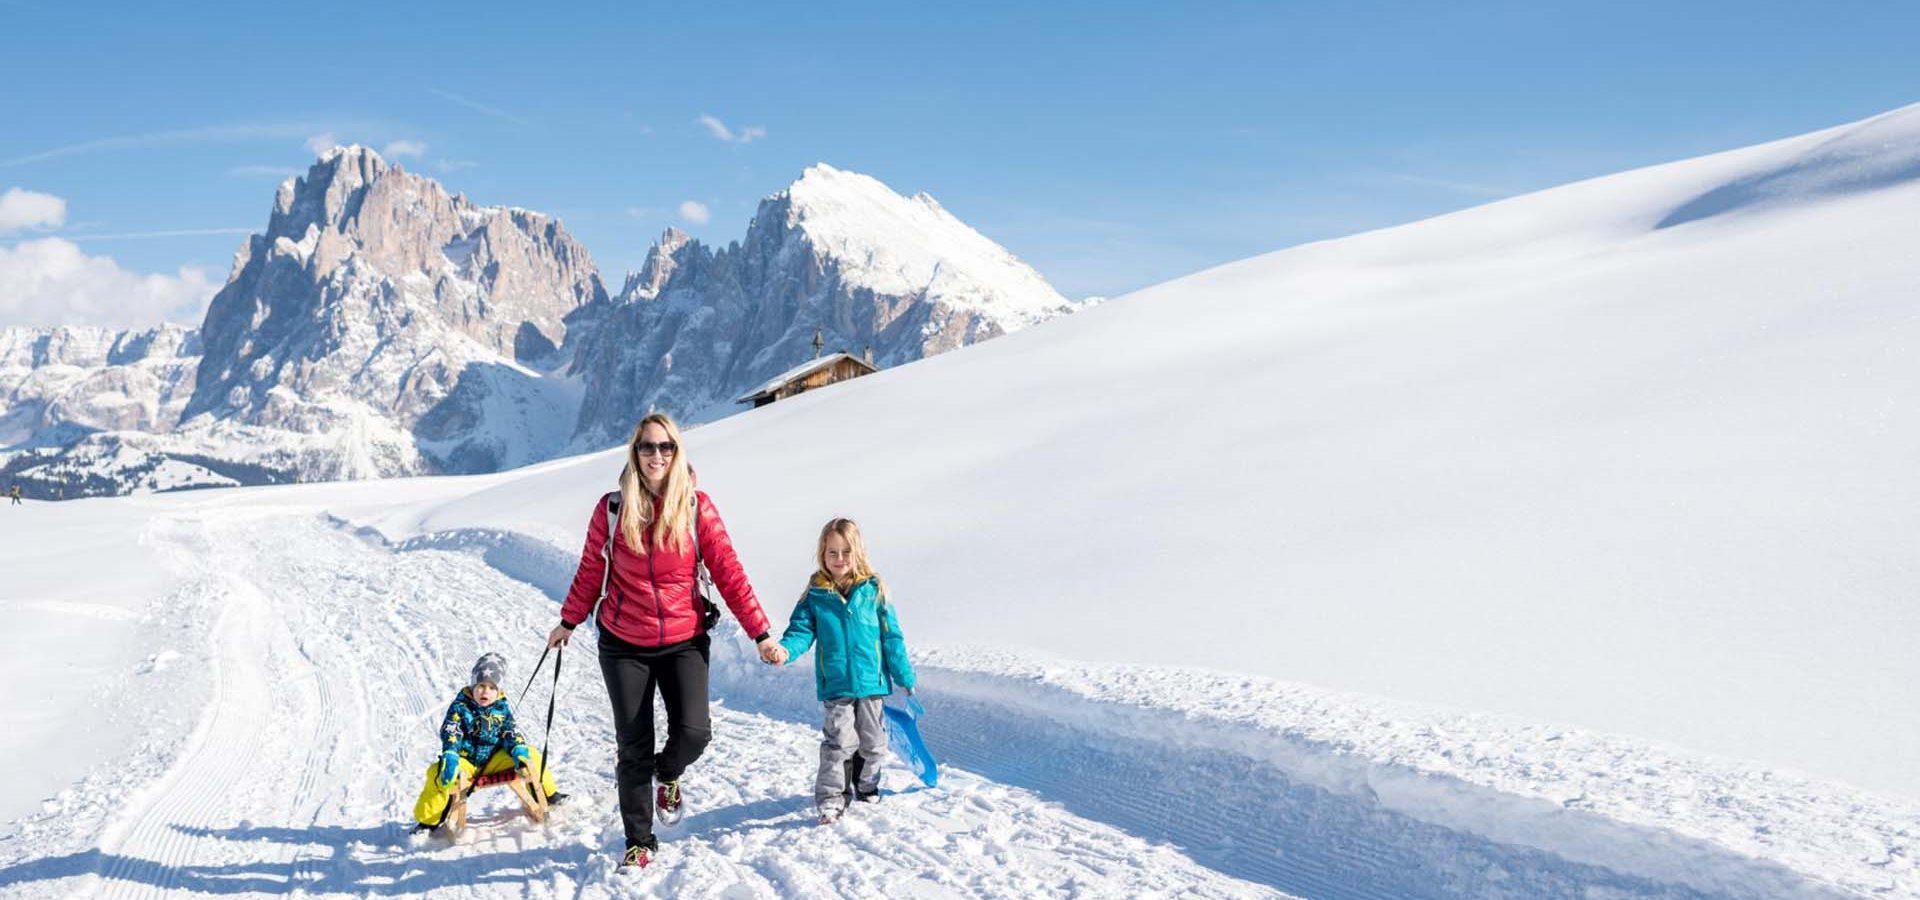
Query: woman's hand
point(772, 653)
point(558, 636)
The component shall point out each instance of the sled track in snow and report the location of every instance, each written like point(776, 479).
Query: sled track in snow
point(329, 661)
point(151, 853)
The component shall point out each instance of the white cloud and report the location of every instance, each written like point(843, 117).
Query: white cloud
point(322, 142)
point(52, 281)
point(21, 209)
point(696, 212)
point(397, 149)
point(720, 130)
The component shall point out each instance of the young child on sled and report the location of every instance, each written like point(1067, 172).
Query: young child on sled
point(477, 737)
point(860, 656)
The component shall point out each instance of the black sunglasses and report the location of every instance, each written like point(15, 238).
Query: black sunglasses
point(649, 448)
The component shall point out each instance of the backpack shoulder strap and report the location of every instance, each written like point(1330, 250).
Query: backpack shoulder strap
point(612, 503)
point(696, 530)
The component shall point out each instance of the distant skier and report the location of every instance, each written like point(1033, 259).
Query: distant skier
point(861, 657)
point(478, 735)
point(15, 494)
point(639, 579)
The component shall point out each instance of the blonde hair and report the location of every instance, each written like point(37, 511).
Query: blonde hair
point(676, 493)
point(862, 568)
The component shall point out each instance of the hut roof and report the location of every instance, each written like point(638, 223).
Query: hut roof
point(798, 372)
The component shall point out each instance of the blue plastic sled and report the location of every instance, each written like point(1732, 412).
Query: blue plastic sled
point(903, 735)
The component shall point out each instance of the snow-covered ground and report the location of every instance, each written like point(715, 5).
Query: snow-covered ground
point(329, 659)
point(1560, 547)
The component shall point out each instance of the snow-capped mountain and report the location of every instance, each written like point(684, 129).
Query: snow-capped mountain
point(60, 383)
point(83, 411)
point(405, 329)
point(382, 326)
point(378, 326)
point(836, 253)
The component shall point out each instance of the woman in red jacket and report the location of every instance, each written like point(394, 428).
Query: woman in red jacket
point(652, 629)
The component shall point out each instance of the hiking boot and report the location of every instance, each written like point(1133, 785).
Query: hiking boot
point(872, 796)
point(667, 799)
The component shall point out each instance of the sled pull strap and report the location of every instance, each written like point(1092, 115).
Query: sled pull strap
point(534, 674)
point(546, 742)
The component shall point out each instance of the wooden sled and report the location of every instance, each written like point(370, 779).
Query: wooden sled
point(519, 779)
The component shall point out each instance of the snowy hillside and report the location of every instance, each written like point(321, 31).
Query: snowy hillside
point(1555, 548)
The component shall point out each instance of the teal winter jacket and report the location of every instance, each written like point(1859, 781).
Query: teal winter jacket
point(861, 652)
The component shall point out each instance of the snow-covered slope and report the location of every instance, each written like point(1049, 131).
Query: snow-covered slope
point(1589, 456)
point(836, 254)
point(1556, 548)
point(1549, 430)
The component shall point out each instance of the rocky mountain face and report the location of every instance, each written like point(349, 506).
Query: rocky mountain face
point(60, 384)
point(381, 326)
point(90, 411)
point(379, 306)
point(837, 253)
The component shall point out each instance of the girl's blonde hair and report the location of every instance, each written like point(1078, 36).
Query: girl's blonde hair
point(862, 568)
point(676, 493)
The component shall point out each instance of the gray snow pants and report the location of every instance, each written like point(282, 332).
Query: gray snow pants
point(852, 725)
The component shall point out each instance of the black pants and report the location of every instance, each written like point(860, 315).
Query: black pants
point(680, 671)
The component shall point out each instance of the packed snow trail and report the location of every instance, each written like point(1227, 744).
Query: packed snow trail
point(329, 661)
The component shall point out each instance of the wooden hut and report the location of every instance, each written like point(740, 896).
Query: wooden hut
point(815, 373)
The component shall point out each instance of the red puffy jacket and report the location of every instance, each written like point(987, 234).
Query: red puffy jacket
point(650, 598)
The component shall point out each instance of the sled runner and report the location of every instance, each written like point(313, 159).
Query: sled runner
point(903, 735)
point(519, 779)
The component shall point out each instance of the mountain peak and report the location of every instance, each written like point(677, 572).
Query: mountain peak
point(825, 189)
point(330, 191)
point(350, 154)
point(908, 246)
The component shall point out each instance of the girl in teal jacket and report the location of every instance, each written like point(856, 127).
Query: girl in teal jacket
point(861, 657)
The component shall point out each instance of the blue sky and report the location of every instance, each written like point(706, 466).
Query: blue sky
point(1112, 145)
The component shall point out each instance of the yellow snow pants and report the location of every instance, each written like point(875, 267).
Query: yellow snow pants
point(434, 796)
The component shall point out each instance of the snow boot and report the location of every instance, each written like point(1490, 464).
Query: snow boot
point(668, 802)
point(637, 857)
point(556, 798)
point(855, 765)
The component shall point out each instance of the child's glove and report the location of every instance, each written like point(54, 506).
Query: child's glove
point(449, 767)
point(520, 754)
